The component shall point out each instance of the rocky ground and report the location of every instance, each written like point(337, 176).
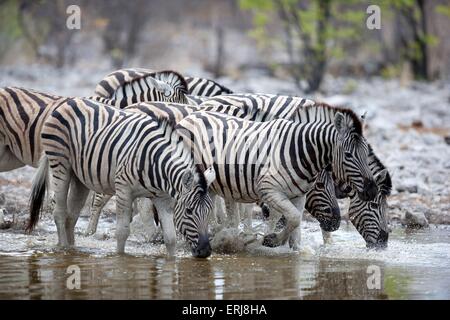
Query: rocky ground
point(408, 126)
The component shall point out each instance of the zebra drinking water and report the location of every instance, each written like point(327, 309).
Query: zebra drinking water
point(277, 161)
point(93, 146)
point(320, 200)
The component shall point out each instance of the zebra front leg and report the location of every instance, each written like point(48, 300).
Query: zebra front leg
point(165, 214)
point(232, 213)
point(78, 194)
point(327, 239)
point(98, 203)
point(295, 237)
point(124, 203)
point(292, 212)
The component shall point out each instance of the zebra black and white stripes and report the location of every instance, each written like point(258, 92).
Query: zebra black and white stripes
point(205, 87)
point(92, 146)
point(276, 161)
point(320, 201)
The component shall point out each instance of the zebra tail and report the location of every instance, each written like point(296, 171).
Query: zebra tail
point(38, 189)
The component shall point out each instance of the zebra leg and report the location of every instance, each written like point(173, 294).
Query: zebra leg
point(247, 212)
point(292, 212)
point(232, 213)
point(78, 194)
point(99, 202)
point(61, 187)
point(124, 203)
point(295, 237)
point(147, 216)
point(218, 213)
point(327, 239)
point(166, 218)
point(8, 161)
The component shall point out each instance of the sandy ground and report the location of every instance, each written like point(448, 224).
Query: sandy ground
point(408, 126)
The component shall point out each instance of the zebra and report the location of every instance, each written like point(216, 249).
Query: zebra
point(138, 85)
point(205, 87)
point(92, 146)
point(23, 111)
point(268, 106)
point(321, 202)
point(116, 80)
point(369, 217)
point(276, 161)
point(278, 106)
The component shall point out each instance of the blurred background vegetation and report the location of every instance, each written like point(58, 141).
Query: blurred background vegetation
point(302, 40)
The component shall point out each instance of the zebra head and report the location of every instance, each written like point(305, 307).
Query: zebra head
point(350, 155)
point(172, 85)
point(369, 217)
point(321, 202)
point(192, 209)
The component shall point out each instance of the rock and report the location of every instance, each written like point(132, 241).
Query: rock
point(415, 220)
point(231, 240)
point(2, 216)
point(447, 140)
point(407, 186)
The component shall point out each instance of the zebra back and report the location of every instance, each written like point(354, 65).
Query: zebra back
point(205, 87)
point(268, 106)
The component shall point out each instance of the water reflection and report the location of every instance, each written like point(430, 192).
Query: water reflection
point(43, 276)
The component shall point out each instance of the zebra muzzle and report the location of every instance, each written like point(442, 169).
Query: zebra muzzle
point(203, 249)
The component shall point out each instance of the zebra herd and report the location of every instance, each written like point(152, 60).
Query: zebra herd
point(183, 143)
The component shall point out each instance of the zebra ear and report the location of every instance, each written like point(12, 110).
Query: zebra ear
point(210, 175)
point(188, 178)
point(342, 123)
point(379, 178)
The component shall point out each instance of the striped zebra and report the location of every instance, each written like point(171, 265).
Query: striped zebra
point(276, 161)
point(140, 85)
point(321, 202)
point(92, 146)
point(278, 106)
point(205, 87)
point(369, 217)
point(116, 80)
point(23, 111)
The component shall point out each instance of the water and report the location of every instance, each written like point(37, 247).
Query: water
point(415, 266)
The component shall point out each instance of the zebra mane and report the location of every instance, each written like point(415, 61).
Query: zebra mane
point(323, 111)
point(377, 166)
point(202, 183)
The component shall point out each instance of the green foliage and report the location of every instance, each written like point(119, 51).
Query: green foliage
point(10, 29)
point(443, 9)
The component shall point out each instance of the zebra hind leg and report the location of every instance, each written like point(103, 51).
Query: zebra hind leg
point(61, 188)
point(78, 194)
point(293, 214)
point(98, 203)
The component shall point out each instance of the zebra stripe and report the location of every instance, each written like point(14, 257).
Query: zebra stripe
point(278, 160)
point(321, 201)
point(205, 87)
point(128, 154)
point(369, 217)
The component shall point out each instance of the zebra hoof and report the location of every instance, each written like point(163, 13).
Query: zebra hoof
point(270, 240)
